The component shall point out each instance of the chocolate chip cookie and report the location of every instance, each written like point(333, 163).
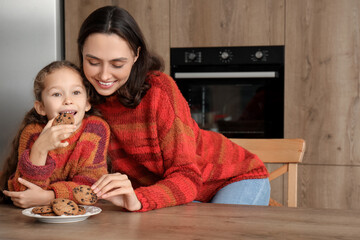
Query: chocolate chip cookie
point(84, 195)
point(42, 209)
point(62, 206)
point(64, 118)
point(82, 210)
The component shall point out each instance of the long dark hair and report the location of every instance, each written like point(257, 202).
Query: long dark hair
point(32, 116)
point(115, 20)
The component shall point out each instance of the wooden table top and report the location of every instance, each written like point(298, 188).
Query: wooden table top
point(190, 221)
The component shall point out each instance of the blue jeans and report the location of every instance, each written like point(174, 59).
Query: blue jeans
point(245, 192)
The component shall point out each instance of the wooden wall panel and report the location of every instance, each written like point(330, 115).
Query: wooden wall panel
point(204, 23)
point(326, 186)
point(151, 15)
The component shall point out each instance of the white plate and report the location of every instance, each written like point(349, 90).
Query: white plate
point(90, 211)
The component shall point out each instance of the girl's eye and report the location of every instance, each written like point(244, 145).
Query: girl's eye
point(77, 92)
point(56, 94)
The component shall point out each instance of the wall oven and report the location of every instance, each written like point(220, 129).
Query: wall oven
point(237, 91)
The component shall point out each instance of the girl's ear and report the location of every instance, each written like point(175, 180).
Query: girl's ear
point(39, 107)
point(87, 106)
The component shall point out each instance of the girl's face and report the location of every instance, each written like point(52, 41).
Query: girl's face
point(64, 92)
point(107, 62)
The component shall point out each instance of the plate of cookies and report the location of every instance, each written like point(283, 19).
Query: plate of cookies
point(62, 210)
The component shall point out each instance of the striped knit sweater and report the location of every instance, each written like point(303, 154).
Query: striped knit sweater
point(83, 161)
point(167, 157)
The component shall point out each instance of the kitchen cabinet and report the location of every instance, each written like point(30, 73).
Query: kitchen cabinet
point(322, 103)
point(204, 23)
point(188, 23)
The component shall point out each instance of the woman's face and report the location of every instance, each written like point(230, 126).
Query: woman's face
point(107, 62)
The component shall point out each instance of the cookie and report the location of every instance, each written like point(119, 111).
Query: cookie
point(42, 209)
point(64, 118)
point(62, 206)
point(48, 214)
point(81, 211)
point(84, 195)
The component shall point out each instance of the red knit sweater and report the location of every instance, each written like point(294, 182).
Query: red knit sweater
point(167, 157)
point(83, 161)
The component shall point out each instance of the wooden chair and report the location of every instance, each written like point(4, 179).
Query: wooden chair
point(289, 152)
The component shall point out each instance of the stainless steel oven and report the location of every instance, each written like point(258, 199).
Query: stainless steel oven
point(237, 91)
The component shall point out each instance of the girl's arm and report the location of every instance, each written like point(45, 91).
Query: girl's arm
point(91, 164)
point(50, 138)
point(33, 196)
point(33, 165)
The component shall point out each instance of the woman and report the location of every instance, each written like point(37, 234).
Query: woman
point(159, 155)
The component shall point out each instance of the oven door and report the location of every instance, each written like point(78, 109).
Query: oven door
point(241, 104)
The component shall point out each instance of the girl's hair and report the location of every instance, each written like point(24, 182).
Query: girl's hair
point(32, 116)
point(115, 20)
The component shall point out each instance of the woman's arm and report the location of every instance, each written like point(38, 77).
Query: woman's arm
point(173, 147)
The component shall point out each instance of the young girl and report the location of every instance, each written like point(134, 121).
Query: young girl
point(159, 155)
point(56, 158)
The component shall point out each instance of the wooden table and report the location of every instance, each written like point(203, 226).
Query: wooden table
point(190, 221)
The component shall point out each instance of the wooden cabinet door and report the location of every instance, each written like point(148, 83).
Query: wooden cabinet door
point(151, 15)
point(201, 23)
point(322, 85)
point(75, 13)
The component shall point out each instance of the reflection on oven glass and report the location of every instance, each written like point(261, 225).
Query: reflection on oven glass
point(229, 109)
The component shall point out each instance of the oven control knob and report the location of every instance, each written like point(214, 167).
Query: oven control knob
point(192, 56)
point(259, 54)
point(225, 55)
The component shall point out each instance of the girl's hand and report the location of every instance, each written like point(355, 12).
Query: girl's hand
point(117, 189)
point(33, 196)
point(50, 138)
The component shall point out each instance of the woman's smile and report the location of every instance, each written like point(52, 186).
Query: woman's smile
point(106, 85)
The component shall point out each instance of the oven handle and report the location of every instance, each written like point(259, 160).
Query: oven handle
point(194, 75)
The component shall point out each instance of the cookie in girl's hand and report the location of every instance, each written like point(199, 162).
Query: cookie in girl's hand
point(84, 195)
point(64, 118)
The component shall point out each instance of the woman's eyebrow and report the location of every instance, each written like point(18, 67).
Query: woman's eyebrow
point(91, 56)
point(122, 59)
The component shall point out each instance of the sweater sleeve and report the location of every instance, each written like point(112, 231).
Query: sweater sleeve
point(39, 175)
point(182, 177)
point(88, 162)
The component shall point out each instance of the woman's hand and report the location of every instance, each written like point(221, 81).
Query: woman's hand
point(117, 189)
point(33, 196)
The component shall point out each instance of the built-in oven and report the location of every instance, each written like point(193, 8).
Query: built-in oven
point(237, 91)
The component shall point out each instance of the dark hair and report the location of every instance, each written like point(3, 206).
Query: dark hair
point(32, 117)
point(115, 20)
